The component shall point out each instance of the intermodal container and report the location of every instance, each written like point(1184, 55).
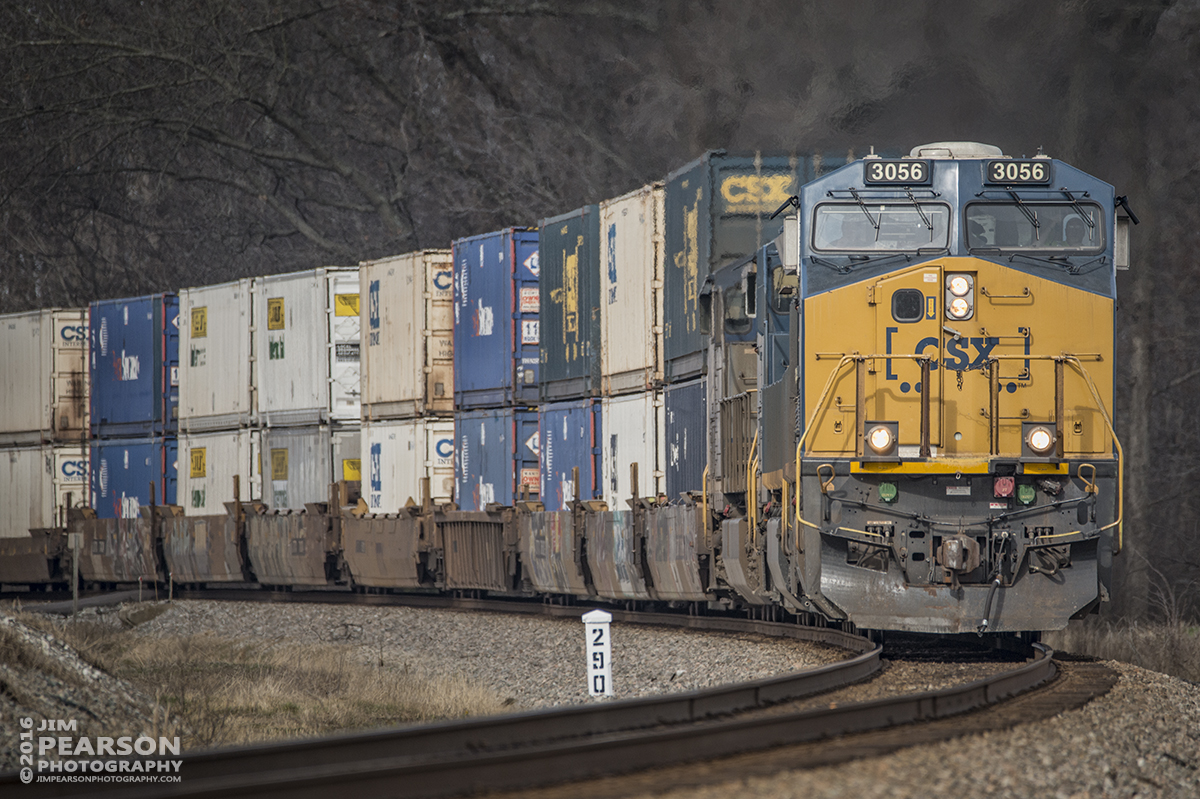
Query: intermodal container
point(37, 484)
point(122, 471)
point(408, 335)
point(633, 433)
point(300, 463)
point(569, 258)
point(686, 424)
point(307, 347)
point(216, 349)
point(496, 330)
point(134, 366)
point(718, 210)
point(631, 260)
point(495, 453)
point(208, 465)
point(570, 435)
point(400, 454)
point(44, 389)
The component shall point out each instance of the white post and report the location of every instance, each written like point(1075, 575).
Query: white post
point(73, 542)
point(598, 648)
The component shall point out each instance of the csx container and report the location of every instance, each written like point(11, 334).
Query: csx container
point(496, 328)
point(134, 366)
point(569, 260)
point(215, 352)
point(300, 463)
point(569, 435)
point(631, 262)
point(408, 335)
point(122, 471)
point(44, 391)
point(36, 484)
point(400, 453)
point(686, 425)
point(496, 452)
point(307, 346)
point(208, 464)
point(633, 433)
point(717, 211)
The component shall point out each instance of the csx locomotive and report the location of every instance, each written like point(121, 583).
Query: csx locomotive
point(936, 442)
point(908, 416)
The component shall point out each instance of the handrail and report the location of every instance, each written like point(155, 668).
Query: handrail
point(751, 490)
point(811, 421)
point(1119, 522)
point(704, 508)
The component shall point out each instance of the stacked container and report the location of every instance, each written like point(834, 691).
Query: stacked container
point(496, 367)
point(569, 255)
point(134, 371)
point(407, 335)
point(43, 418)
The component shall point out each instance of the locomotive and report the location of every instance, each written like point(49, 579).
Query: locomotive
point(907, 427)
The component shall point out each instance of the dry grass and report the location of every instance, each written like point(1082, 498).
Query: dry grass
point(1172, 648)
point(226, 692)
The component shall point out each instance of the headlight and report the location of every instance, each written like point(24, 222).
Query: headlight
point(880, 438)
point(1040, 440)
point(960, 296)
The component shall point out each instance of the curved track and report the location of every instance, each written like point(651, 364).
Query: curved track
point(591, 742)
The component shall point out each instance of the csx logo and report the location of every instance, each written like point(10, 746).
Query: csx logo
point(74, 469)
point(73, 333)
point(376, 467)
point(756, 193)
point(373, 306)
point(442, 280)
point(963, 353)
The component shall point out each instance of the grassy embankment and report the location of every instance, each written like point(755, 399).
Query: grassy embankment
point(224, 691)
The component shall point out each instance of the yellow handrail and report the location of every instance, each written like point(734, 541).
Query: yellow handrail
point(751, 493)
point(811, 421)
point(1119, 522)
point(704, 507)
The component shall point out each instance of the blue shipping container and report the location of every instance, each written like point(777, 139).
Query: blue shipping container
point(122, 471)
point(570, 436)
point(495, 454)
point(569, 248)
point(496, 319)
point(687, 442)
point(134, 366)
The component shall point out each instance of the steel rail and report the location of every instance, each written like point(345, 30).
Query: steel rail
point(506, 766)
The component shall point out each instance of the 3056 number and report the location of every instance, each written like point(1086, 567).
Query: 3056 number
point(1018, 172)
point(897, 172)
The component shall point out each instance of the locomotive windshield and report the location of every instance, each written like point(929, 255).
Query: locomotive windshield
point(859, 227)
point(1035, 226)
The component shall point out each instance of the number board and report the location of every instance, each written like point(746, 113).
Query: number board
point(1013, 172)
point(904, 172)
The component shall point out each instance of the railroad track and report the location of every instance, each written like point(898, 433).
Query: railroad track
point(590, 742)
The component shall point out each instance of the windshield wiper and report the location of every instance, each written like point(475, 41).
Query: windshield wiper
point(1030, 215)
point(917, 205)
point(1087, 217)
point(862, 205)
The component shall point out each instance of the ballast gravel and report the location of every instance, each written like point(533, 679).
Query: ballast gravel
point(529, 661)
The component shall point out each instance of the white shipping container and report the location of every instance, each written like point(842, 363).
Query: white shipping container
point(307, 346)
point(44, 376)
point(208, 462)
point(402, 452)
point(633, 430)
point(36, 484)
point(215, 352)
point(631, 265)
point(408, 335)
point(300, 463)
